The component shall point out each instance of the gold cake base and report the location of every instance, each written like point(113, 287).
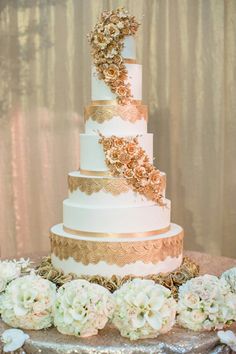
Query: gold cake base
point(188, 269)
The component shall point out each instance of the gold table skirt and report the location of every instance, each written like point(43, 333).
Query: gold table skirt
point(109, 341)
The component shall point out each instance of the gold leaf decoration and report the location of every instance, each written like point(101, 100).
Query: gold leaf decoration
point(114, 186)
point(130, 112)
point(107, 42)
point(119, 253)
point(171, 280)
point(126, 158)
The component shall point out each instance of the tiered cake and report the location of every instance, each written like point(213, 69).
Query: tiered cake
point(113, 222)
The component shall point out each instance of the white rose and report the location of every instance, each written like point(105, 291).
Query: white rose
point(191, 300)
point(9, 270)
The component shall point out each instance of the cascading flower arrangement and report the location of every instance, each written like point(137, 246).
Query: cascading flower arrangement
point(126, 158)
point(107, 42)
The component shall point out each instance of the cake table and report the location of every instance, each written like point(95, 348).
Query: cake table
point(178, 340)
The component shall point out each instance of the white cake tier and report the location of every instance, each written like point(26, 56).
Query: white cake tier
point(100, 91)
point(113, 256)
point(110, 219)
point(131, 119)
point(104, 191)
point(129, 50)
point(92, 157)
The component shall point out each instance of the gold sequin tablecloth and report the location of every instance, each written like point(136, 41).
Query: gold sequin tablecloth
point(109, 341)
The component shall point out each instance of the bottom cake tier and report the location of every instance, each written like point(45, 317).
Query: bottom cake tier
point(107, 256)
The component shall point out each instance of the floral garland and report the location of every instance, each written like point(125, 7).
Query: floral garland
point(125, 158)
point(107, 42)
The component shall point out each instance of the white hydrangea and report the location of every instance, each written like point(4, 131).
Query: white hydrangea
point(27, 302)
point(143, 309)
point(82, 308)
point(9, 270)
point(230, 277)
point(206, 302)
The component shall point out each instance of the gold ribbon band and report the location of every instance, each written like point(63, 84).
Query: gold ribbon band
point(129, 61)
point(112, 102)
point(116, 235)
point(95, 173)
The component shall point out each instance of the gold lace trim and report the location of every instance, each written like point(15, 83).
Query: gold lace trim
point(119, 253)
point(131, 113)
point(114, 186)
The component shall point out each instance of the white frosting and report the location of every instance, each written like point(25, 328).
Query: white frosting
point(100, 91)
point(122, 219)
point(103, 198)
point(129, 50)
point(104, 269)
point(92, 156)
point(117, 125)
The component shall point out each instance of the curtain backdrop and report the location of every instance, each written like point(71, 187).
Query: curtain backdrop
point(188, 51)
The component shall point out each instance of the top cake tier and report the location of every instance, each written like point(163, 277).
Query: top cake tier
point(129, 50)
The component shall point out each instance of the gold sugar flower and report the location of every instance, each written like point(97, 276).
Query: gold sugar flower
point(154, 176)
point(101, 41)
point(107, 144)
point(117, 59)
point(114, 19)
point(118, 142)
point(111, 73)
point(120, 25)
point(122, 91)
point(113, 155)
point(111, 30)
point(131, 148)
point(124, 158)
point(128, 173)
point(140, 172)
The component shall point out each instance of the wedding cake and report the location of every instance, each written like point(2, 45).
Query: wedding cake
point(116, 220)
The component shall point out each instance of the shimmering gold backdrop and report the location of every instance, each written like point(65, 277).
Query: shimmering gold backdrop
point(188, 51)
